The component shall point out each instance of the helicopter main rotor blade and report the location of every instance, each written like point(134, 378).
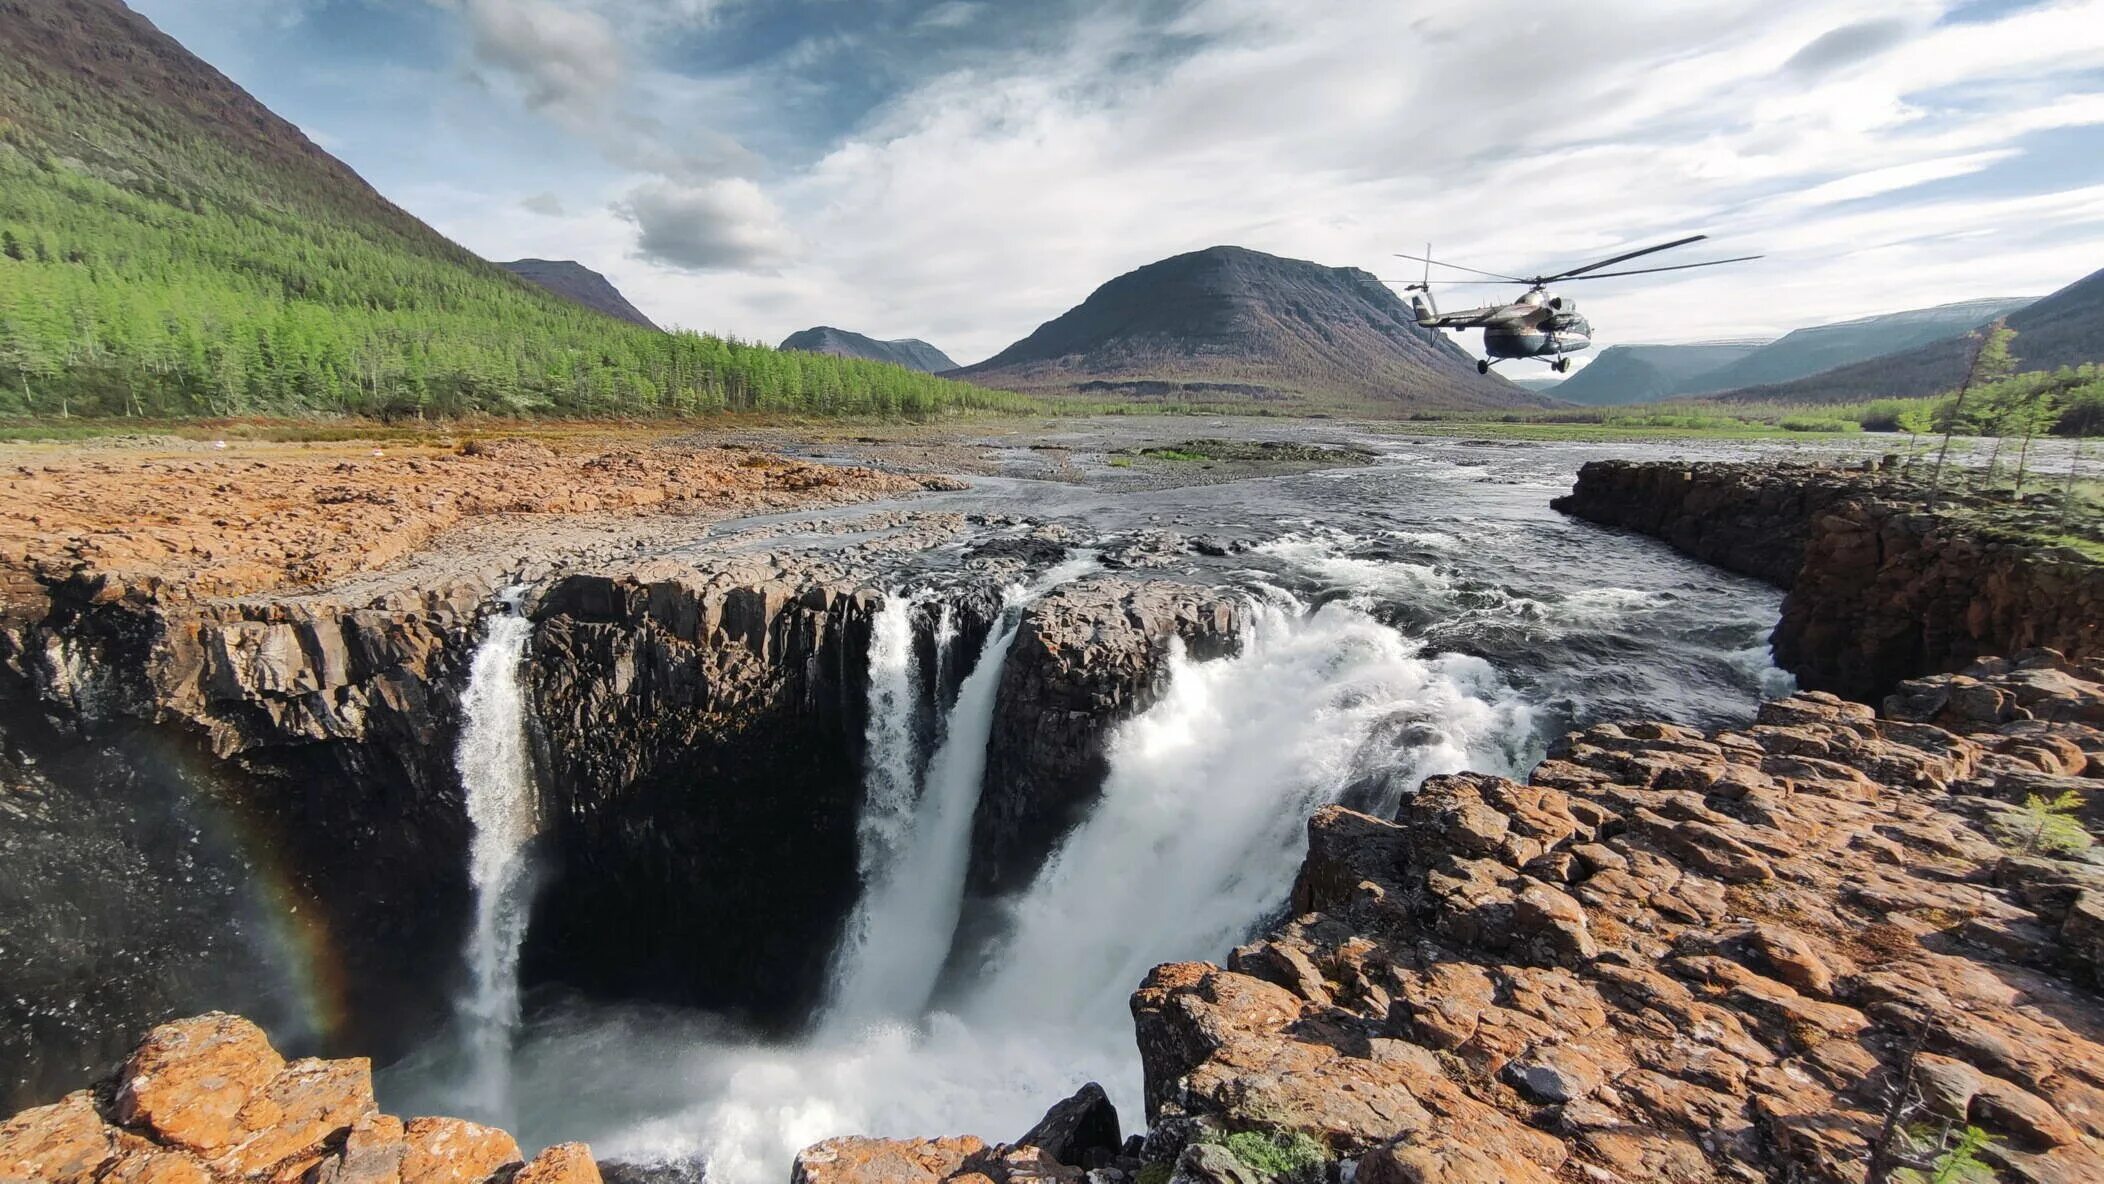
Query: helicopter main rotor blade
point(1457, 267)
point(1564, 275)
point(1651, 270)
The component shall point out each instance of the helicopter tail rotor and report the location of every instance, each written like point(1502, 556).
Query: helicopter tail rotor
point(1422, 305)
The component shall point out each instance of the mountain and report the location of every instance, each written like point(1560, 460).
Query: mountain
point(1231, 323)
point(2063, 329)
point(910, 352)
point(170, 247)
point(1648, 373)
point(1822, 347)
point(574, 281)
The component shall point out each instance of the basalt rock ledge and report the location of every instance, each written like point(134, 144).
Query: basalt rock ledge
point(1884, 582)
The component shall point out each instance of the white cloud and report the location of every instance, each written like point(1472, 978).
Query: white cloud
point(952, 14)
point(978, 203)
point(567, 59)
point(713, 226)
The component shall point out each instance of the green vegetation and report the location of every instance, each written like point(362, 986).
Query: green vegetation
point(1156, 1173)
point(1259, 452)
point(1281, 1155)
point(2048, 826)
point(168, 249)
point(1949, 1157)
point(1817, 423)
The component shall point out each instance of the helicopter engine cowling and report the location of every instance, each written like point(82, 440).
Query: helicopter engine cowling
point(1569, 333)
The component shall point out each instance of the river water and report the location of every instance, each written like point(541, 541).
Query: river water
point(1427, 613)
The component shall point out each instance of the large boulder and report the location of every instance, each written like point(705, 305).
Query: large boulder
point(209, 1101)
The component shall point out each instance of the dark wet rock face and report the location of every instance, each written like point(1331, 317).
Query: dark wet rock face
point(1880, 589)
point(257, 804)
point(701, 743)
point(178, 784)
point(1085, 658)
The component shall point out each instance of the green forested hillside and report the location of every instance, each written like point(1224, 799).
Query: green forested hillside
point(169, 247)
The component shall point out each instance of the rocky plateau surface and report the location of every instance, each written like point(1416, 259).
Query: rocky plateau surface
point(1881, 587)
point(158, 524)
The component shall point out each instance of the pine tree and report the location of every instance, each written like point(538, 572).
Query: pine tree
point(1990, 361)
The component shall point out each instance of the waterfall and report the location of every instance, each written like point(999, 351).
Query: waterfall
point(497, 774)
point(1202, 821)
point(900, 933)
point(945, 639)
point(1194, 842)
point(890, 788)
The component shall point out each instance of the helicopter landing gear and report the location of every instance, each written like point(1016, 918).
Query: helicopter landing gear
point(1561, 365)
point(1482, 365)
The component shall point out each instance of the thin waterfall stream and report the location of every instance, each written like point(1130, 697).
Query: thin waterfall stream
point(496, 771)
point(900, 932)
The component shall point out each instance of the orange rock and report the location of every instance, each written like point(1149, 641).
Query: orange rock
point(564, 1163)
point(454, 1151)
point(140, 1161)
point(187, 1084)
point(64, 1143)
point(297, 1112)
point(1441, 1160)
point(852, 1160)
point(372, 1154)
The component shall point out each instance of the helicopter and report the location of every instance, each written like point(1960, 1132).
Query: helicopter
point(1538, 324)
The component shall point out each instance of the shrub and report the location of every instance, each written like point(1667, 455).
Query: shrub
point(1813, 423)
point(1282, 1155)
point(2048, 825)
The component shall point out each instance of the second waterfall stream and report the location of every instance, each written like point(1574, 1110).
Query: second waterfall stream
point(916, 847)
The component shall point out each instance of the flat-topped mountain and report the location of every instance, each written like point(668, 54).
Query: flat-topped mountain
point(1228, 322)
point(2063, 329)
point(1648, 373)
point(574, 281)
point(910, 352)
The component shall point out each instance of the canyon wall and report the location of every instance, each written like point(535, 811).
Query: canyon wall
point(702, 733)
point(1880, 588)
point(256, 803)
point(226, 803)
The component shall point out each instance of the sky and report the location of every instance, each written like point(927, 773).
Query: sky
point(964, 170)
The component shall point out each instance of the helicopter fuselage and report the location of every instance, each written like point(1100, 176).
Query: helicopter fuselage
point(1537, 325)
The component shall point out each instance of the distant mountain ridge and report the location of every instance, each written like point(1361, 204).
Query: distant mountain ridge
point(572, 280)
point(2063, 329)
point(1810, 350)
point(1236, 324)
point(910, 352)
point(1648, 373)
